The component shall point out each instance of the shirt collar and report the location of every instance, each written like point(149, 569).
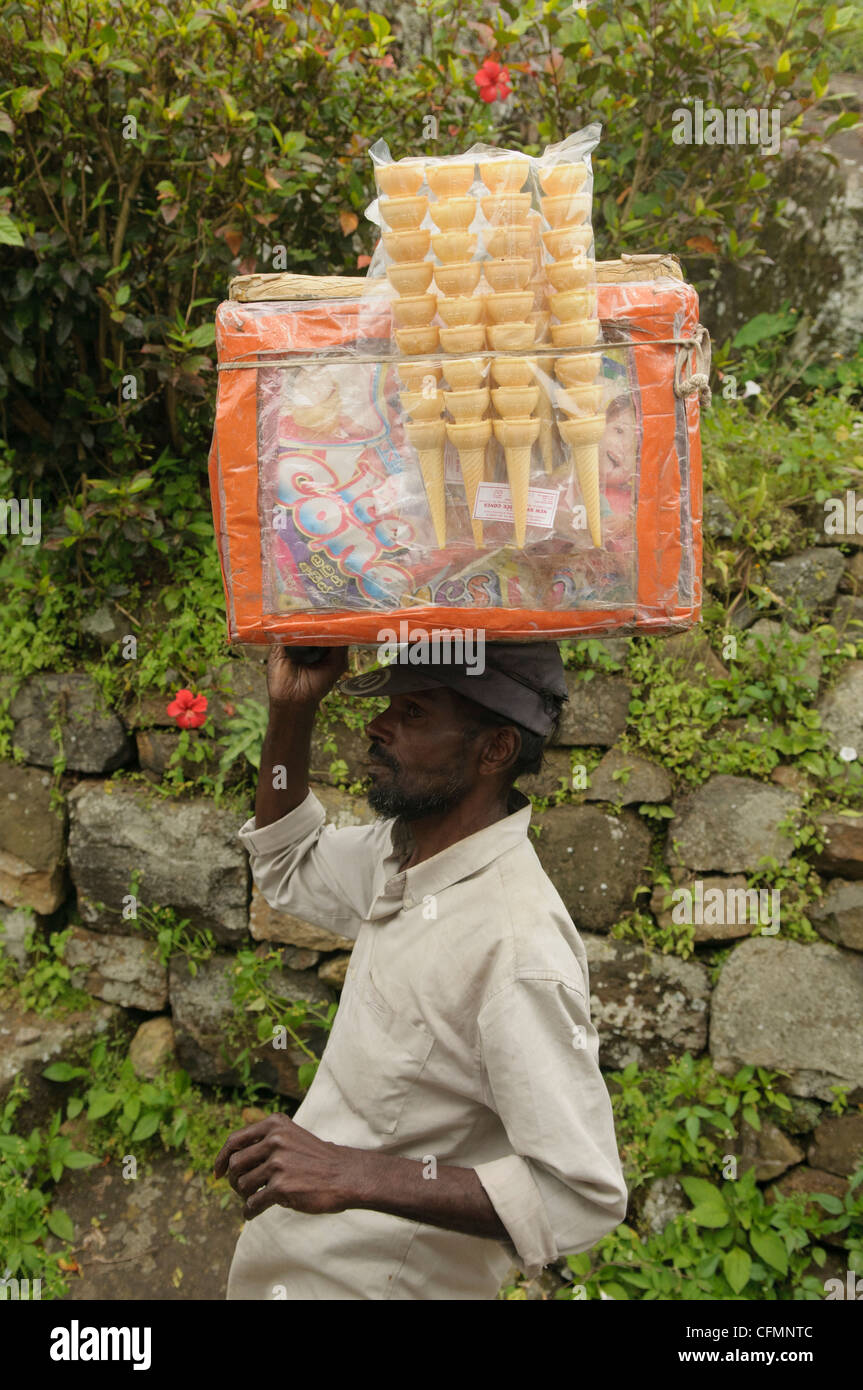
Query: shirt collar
point(397, 889)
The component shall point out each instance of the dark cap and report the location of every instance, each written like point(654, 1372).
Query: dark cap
point(516, 682)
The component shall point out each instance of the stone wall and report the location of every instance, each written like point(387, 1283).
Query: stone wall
point(775, 1002)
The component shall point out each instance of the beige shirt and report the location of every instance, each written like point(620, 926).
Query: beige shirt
point(463, 1036)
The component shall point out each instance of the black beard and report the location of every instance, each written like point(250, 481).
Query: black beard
point(391, 801)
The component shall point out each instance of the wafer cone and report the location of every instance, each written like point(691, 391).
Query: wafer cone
point(414, 311)
point(578, 369)
point(557, 179)
point(429, 439)
point(459, 277)
point(578, 333)
point(573, 274)
point(508, 308)
point(518, 438)
point(403, 179)
point(465, 373)
point(411, 277)
point(507, 275)
point(583, 438)
point(579, 401)
point(504, 175)
point(515, 402)
point(466, 338)
point(566, 210)
point(510, 337)
point(450, 180)
point(422, 405)
point(513, 371)
point(470, 438)
point(569, 305)
point(566, 243)
point(453, 214)
point(506, 209)
point(467, 405)
point(546, 428)
point(402, 213)
point(415, 375)
point(460, 311)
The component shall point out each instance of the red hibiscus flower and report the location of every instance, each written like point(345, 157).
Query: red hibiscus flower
point(493, 81)
point(188, 710)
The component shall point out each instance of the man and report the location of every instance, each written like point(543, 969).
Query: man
point(458, 1120)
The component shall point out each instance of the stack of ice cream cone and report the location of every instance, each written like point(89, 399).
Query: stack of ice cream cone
point(409, 274)
point(581, 403)
point(470, 432)
point(517, 430)
point(422, 402)
point(571, 276)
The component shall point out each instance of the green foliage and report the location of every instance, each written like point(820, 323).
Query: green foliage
point(675, 938)
point(687, 723)
point(254, 993)
point(28, 1166)
point(733, 1244)
point(681, 1117)
point(44, 987)
point(769, 469)
point(244, 737)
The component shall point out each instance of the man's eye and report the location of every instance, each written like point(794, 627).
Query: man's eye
point(413, 710)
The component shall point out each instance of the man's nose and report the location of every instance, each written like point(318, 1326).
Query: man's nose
point(379, 727)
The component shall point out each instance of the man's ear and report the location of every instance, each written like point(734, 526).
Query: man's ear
point(501, 747)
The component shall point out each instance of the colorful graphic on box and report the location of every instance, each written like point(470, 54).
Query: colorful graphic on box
point(349, 520)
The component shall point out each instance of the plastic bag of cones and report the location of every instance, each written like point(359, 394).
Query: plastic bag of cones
point(502, 302)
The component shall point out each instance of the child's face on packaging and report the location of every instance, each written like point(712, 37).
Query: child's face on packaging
point(617, 449)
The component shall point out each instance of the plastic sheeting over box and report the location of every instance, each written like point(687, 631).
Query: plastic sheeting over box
point(337, 518)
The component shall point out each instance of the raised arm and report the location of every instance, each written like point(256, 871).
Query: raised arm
point(295, 692)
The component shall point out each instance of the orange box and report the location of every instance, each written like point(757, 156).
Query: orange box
point(323, 506)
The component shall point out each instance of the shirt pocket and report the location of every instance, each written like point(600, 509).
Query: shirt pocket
point(379, 1058)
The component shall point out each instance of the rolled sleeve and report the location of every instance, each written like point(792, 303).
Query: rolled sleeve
point(562, 1187)
point(303, 866)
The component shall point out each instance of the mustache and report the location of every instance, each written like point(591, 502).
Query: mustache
point(378, 754)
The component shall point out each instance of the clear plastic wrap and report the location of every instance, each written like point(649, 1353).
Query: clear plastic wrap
point(547, 492)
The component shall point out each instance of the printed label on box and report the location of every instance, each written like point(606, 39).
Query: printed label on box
point(494, 503)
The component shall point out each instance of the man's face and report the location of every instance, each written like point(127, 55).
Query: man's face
point(420, 762)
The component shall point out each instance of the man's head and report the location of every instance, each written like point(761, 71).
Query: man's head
point(448, 736)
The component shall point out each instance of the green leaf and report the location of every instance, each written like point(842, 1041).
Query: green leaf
point(846, 121)
point(101, 1102)
point(700, 1190)
point(9, 233)
point(62, 1071)
point(78, 1159)
point(147, 1125)
point(202, 336)
point(737, 1266)
point(829, 1203)
point(712, 1214)
point(768, 1246)
point(61, 1225)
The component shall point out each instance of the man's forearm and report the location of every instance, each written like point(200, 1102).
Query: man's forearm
point(283, 780)
point(454, 1198)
